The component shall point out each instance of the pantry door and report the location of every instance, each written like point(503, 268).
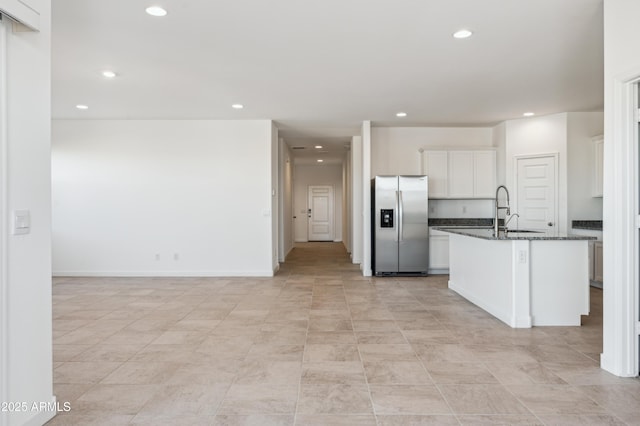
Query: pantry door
point(320, 213)
point(537, 192)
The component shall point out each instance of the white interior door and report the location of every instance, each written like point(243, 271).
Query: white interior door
point(537, 192)
point(320, 213)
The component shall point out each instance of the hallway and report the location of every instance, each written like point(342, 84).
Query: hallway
point(319, 344)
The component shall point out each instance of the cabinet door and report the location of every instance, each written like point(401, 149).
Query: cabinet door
point(598, 154)
point(460, 174)
point(484, 174)
point(597, 261)
point(591, 258)
point(435, 164)
point(439, 252)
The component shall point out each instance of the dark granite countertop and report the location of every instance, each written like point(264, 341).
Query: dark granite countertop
point(593, 225)
point(488, 234)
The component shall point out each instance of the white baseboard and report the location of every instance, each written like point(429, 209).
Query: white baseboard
point(265, 273)
point(42, 417)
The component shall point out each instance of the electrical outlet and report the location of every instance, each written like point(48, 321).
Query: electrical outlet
point(464, 209)
point(176, 256)
point(522, 256)
point(157, 256)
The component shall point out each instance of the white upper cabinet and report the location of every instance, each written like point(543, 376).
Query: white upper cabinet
point(461, 174)
point(24, 11)
point(484, 174)
point(598, 156)
point(435, 165)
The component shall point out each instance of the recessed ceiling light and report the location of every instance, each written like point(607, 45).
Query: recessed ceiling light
point(318, 146)
point(80, 106)
point(108, 74)
point(401, 114)
point(156, 11)
point(319, 161)
point(462, 34)
point(237, 106)
point(529, 114)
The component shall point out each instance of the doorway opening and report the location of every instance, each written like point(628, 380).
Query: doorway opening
point(316, 195)
point(318, 202)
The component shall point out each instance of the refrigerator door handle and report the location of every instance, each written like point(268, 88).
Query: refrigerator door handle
point(400, 215)
point(397, 216)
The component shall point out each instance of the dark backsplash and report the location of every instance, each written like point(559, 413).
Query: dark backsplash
point(595, 225)
point(461, 222)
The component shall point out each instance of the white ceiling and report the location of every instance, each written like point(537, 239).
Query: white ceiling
point(320, 68)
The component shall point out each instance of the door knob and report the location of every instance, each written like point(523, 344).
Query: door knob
point(550, 224)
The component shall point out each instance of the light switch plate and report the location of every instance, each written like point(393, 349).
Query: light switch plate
point(21, 222)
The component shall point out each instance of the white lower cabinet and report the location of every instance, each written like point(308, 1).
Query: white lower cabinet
point(597, 261)
point(438, 252)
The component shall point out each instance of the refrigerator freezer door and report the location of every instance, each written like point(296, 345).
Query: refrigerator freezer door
point(386, 234)
point(413, 244)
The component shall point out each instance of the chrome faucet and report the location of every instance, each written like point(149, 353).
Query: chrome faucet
point(509, 220)
point(496, 227)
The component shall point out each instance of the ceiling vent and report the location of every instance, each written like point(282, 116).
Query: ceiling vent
point(298, 147)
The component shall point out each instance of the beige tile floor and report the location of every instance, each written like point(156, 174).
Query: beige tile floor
point(319, 345)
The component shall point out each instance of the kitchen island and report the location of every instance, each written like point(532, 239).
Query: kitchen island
point(523, 278)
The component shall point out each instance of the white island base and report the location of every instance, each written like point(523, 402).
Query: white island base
point(522, 282)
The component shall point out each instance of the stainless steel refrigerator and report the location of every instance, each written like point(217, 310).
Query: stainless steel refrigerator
point(400, 225)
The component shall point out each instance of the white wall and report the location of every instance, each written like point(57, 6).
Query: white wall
point(356, 199)
point(539, 135)
point(285, 170)
point(305, 175)
point(346, 202)
point(469, 209)
point(126, 191)
point(581, 128)
point(275, 203)
point(25, 182)
point(394, 150)
point(622, 66)
point(569, 135)
point(366, 267)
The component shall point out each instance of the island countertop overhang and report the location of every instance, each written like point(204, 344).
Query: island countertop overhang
point(488, 234)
